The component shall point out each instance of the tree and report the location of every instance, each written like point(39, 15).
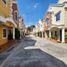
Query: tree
point(30, 28)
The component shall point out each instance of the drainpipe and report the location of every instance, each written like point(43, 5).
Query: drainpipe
point(42, 34)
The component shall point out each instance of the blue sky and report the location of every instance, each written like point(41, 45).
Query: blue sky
point(33, 10)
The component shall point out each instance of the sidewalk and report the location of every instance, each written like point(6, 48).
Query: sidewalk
point(62, 45)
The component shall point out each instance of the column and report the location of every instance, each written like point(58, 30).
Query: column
point(63, 33)
point(20, 34)
point(39, 34)
point(42, 34)
point(14, 33)
point(24, 33)
point(58, 34)
point(49, 34)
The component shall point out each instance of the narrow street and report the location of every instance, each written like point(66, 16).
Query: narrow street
point(33, 33)
point(24, 56)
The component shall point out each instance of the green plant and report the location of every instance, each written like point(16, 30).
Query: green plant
point(54, 37)
point(65, 35)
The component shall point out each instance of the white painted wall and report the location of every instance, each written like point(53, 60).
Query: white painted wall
point(55, 11)
point(62, 1)
point(65, 16)
point(42, 26)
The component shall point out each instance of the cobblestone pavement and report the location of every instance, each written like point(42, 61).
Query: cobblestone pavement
point(21, 57)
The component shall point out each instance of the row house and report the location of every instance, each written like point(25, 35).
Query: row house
point(54, 24)
point(18, 20)
point(14, 9)
point(58, 22)
point(21, 26)
point(40, 28)
point(47, 22)
point(7, 23)
point(36, 30)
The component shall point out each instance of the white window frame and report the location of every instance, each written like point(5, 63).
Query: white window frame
point(6, 33)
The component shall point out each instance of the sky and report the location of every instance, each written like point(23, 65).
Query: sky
point(33, 10)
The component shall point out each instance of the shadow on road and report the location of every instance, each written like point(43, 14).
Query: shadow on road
point(33, 58)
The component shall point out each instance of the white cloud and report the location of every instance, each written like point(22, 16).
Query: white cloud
point(36, 5)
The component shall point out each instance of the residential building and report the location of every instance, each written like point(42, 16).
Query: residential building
point(21, 26)
point(40, 28)
point(7, 24)
point(47, 20)
point(14, 10)
point(58, 28)
point(36, 30)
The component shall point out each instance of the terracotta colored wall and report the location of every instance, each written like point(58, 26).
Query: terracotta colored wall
point(5, 8)
point(48, 15)
point(2, 40)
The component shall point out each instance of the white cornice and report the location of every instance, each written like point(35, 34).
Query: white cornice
point(4, 20)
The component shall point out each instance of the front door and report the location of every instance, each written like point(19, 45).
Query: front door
point(10, 35)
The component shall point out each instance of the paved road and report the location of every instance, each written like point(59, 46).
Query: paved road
point(31, 57)
point(3, 57)
point(53, 49)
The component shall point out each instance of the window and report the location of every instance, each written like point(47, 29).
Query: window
point(58, 16)
point(5, 1)
point(47, 21)
point(4, 33)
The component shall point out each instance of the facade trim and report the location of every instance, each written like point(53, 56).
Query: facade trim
point(6, 33)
